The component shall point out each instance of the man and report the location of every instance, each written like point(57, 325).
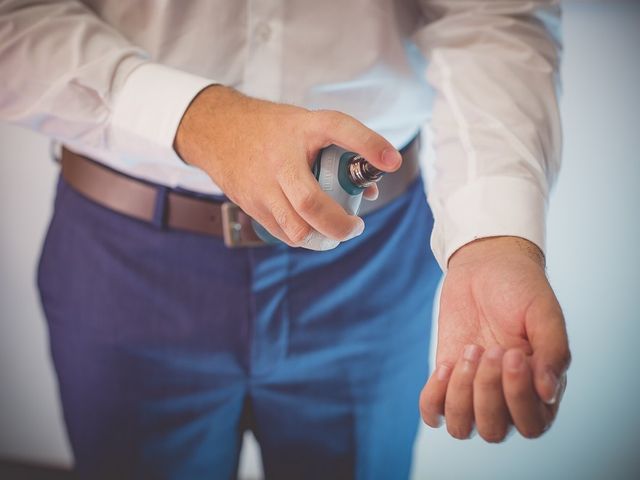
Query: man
point(168, 342)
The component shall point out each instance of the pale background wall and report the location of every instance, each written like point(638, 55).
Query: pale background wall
point(593, 257)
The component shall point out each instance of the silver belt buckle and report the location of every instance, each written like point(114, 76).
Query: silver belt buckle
point(232, 228)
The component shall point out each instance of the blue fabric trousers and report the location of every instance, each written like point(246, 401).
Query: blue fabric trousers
point(168, 345)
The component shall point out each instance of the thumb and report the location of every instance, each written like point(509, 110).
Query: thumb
point(348, 133)
point(551, 355)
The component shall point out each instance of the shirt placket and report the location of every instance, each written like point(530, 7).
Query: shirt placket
point(263, 68)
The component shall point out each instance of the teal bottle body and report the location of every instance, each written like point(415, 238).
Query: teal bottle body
point(331, 169)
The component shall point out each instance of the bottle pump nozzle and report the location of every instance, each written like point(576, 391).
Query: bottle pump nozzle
point(361, 173)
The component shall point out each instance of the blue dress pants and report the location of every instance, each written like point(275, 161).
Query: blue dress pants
point(167, 345)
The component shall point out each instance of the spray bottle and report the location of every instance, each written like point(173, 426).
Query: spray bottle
point(343, 176)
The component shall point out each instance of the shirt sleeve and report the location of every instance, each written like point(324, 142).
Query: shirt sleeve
point(71, 76)
point(495, 129)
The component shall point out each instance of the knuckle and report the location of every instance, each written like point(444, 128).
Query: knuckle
point(280, 215)
point(463, 383)
point(368, 137)
point(308, 203)
point(449, 365)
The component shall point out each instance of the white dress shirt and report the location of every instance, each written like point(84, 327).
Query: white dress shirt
point(111, 79)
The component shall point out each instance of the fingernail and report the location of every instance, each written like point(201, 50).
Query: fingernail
point(514, 360)
point(552, 381)
point(308, 239)
point(443, 372)
point(318, 242)
point(391, 157)
point(471, 353)
point(327, 244)
point(357, 230)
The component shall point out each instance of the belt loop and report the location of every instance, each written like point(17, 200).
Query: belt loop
point(160, 207)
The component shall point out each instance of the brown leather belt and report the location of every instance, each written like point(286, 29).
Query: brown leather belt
point(140, 199)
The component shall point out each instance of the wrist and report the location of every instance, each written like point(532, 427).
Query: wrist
point(497, 247)
point(208, 100)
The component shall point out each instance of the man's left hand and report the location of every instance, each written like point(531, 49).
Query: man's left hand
point(502, 350)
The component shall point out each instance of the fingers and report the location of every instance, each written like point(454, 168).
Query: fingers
point(530, 416)
point(493, 390)
point(491, 414)
point(350, 134)
point(458, 408)
point(316, 207)
point(278, 216)
point(303, 192)
point(551, 357)
point(433, 395)
point(280, 219)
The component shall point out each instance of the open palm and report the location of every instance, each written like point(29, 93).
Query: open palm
point(502, 344)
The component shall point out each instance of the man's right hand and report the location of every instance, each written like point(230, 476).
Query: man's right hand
point(260, 154)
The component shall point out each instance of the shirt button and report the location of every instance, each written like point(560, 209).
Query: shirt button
point(263, 32)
